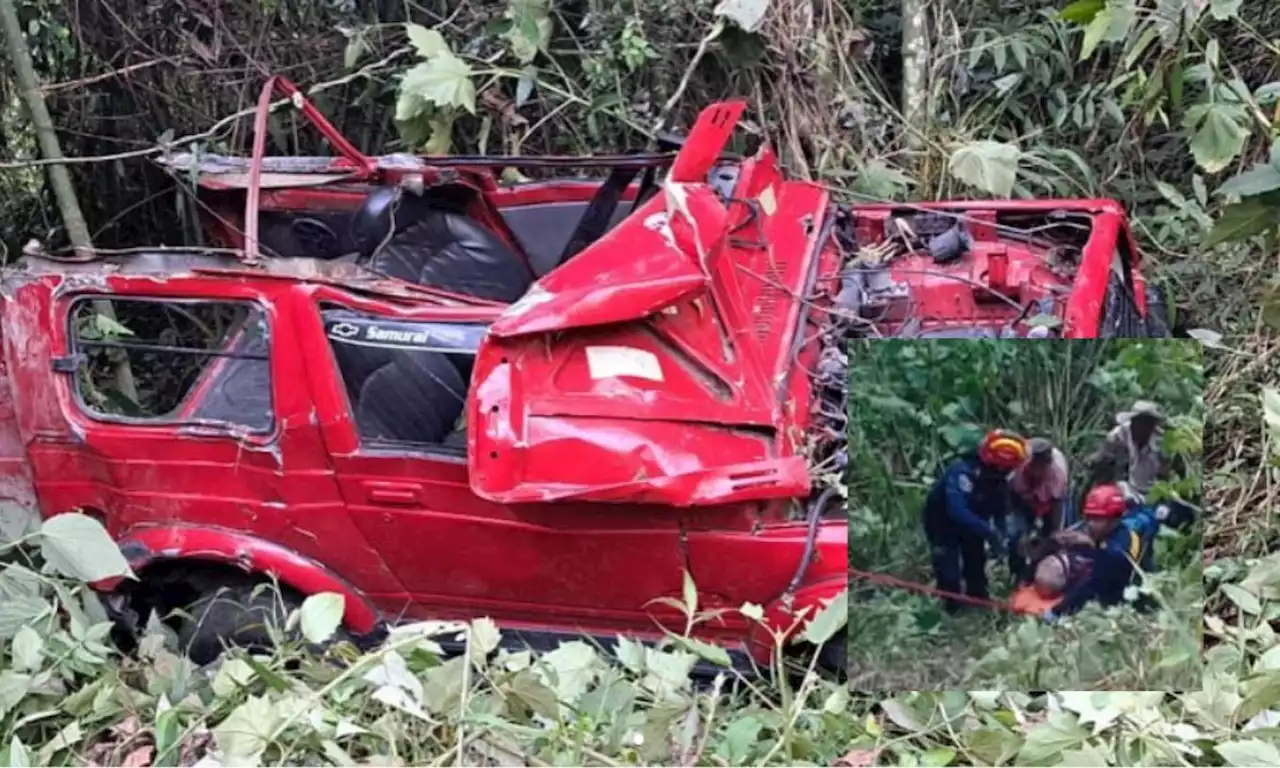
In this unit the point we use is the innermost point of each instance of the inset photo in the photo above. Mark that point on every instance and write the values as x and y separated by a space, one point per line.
1025 514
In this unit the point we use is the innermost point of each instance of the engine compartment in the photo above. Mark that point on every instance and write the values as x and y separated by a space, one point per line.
940 271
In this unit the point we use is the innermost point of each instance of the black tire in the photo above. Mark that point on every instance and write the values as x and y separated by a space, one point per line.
833 656
235 615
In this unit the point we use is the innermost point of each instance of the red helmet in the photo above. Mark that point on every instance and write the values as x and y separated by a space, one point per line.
1002 450
1105 501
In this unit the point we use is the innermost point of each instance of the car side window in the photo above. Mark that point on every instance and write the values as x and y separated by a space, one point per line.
172 361
406 380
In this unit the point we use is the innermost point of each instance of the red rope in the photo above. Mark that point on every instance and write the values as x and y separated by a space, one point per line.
911 586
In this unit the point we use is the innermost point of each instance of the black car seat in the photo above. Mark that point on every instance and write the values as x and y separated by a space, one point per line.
417 397
432 242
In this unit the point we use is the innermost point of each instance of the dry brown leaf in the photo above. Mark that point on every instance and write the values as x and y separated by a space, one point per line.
139 758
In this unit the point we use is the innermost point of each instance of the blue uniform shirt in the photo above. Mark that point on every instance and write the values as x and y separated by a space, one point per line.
1113 562
956 499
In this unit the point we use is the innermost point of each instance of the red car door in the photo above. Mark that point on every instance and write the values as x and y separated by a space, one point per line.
391 389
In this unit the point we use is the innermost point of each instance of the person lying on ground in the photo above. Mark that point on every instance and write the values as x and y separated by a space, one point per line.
1039 491
1135 444
1121 538
965 511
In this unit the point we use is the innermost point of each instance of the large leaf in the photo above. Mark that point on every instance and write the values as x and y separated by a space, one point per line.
443 80
991 166
1082 11
427 42
321 615
1249 752
745 14
530 30
1046 741
1218 137
78 546
1222 10
1098 29
1260 179
1241 221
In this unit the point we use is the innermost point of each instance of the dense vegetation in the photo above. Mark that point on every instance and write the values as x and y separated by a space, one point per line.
1167 105
915 406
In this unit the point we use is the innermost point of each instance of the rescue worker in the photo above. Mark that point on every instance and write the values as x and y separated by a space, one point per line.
1135 443
965 511
1039 492
1122 538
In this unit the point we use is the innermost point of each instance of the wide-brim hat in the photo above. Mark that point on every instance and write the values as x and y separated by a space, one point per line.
1142 408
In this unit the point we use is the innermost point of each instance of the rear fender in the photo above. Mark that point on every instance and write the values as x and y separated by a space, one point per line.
788 617
145 546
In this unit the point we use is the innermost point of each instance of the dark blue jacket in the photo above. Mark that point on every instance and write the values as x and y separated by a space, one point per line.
1113 562
962 503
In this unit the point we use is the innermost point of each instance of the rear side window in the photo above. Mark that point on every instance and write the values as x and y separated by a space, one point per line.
168 361
406 380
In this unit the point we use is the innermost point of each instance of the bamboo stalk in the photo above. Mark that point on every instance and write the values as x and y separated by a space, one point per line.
59 178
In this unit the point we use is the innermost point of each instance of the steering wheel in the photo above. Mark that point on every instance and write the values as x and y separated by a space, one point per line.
315 237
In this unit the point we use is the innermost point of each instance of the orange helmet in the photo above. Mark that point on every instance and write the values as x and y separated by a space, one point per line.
1105 501
1002 450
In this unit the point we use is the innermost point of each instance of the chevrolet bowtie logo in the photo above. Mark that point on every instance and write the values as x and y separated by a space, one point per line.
344 330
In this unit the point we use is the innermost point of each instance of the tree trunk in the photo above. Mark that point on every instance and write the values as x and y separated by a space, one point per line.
915 68
59 179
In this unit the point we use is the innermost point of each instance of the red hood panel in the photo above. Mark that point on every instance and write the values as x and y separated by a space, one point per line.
653 367
649 261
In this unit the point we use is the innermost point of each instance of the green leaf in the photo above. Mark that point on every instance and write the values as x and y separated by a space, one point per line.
1241 221
1249 752
444 80
110 327
739 738
1098 28
1260 179
745 14
1218 137
321 615
16 611
13 689
903 715
833 617
938 756
19 757
1271 418
77 546
571 667
357 46
427 42
712 653
1049 739
991 166
1082 11
1245 601
243 736
752 611
526 687
530 28
1223 10
27 647
630 653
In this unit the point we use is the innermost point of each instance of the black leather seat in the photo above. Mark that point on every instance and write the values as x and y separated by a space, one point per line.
417 397
433 243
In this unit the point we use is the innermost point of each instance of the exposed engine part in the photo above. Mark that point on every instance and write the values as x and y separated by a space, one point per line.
950 245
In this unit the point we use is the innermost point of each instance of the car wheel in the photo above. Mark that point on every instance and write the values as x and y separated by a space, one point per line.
833 656
237 615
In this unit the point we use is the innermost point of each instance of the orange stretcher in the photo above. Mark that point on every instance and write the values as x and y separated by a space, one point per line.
1026 599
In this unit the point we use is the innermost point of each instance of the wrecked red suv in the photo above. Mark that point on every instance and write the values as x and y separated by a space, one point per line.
443 397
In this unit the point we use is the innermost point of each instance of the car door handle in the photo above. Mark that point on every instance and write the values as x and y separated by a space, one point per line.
392 494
